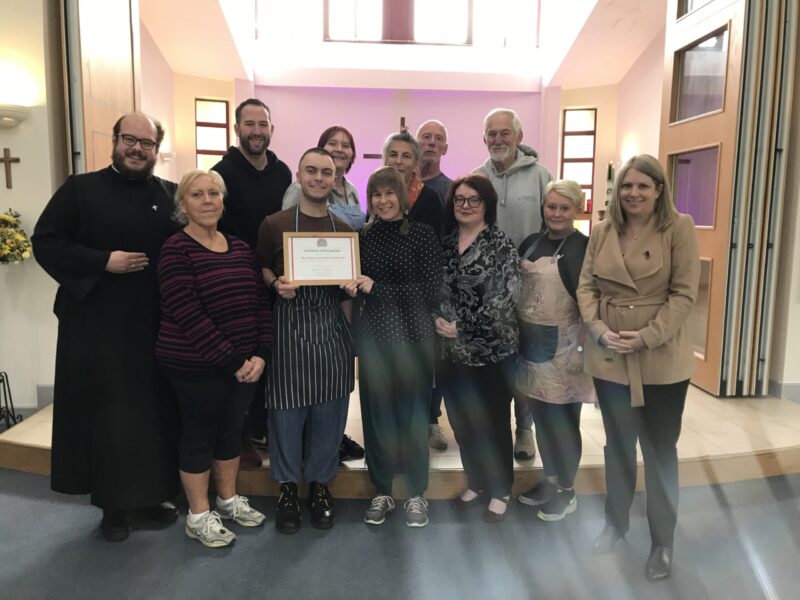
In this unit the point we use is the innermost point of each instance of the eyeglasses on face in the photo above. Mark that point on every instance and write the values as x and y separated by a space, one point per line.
130 140
471 201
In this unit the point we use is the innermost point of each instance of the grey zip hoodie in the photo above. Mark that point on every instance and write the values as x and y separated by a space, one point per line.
520 189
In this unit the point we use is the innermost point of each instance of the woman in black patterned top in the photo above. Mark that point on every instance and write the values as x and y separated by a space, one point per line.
479 328
401 277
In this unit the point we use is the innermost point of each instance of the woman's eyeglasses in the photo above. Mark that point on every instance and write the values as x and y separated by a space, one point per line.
471 201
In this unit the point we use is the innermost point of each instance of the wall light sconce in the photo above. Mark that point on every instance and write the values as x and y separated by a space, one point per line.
166 157
12 115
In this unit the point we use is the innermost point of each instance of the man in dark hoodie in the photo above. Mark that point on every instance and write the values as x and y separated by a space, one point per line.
256 180
255 177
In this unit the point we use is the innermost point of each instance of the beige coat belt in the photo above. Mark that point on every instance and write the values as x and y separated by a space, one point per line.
632 365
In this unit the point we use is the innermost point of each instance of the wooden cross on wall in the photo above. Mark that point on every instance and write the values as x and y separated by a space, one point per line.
7 160
402 128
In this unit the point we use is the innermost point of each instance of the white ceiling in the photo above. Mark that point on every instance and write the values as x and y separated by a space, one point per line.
616 33
195 38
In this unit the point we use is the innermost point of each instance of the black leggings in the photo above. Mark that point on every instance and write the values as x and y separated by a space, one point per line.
558 434
212 414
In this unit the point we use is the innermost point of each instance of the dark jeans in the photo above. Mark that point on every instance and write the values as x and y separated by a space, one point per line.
478 401
255 424
558 433
657 425
436 406
395 386
436 392
212 408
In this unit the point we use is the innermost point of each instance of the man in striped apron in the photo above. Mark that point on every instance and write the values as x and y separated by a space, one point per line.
310 372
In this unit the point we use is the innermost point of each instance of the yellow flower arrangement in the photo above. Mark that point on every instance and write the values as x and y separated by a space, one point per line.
14 243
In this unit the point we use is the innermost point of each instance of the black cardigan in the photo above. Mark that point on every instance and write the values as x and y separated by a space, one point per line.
428 209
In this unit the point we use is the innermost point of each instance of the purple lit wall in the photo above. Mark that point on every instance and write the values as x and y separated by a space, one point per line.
300 114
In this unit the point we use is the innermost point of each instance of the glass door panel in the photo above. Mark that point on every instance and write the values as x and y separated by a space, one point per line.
694 183
701 71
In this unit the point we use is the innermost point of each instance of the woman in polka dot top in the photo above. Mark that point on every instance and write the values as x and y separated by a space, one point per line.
401 277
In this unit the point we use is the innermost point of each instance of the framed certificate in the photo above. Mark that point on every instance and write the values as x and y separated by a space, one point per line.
320 258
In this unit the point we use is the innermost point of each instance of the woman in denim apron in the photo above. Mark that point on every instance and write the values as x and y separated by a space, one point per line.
550 368
343 201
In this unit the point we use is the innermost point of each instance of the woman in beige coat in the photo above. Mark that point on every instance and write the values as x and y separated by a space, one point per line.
638 285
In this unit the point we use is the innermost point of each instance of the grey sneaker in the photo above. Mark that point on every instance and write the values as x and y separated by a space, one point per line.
436 438
416 511
241 512
210 532
378 509
538 494
524 449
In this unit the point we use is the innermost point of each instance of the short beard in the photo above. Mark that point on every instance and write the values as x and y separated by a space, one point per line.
501 156
244 143
118 160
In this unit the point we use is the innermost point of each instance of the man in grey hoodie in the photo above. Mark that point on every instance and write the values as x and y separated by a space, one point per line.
519 180
516 174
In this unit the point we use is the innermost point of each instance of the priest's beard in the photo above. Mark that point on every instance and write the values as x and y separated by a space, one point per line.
138 173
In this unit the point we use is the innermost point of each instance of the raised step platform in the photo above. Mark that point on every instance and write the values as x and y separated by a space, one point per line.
723 440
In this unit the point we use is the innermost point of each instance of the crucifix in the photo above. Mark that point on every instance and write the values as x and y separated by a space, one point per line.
7 160
402 128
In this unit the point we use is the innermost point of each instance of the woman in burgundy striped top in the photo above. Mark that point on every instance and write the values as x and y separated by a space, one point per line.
215 333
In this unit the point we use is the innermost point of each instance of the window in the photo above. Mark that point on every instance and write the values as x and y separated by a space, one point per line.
694 184
578 142
212 133
354 20
445 22
687 6
700 77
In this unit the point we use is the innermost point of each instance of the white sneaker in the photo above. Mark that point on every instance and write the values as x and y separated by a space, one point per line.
416 511
436 439
241 512
378 509
210 532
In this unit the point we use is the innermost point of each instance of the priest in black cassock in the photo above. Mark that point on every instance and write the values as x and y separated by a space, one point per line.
114 417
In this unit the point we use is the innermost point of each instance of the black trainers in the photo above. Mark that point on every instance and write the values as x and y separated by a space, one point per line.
320 503
260 442
349 449
115 526
538 494
163 513
287 516
559 506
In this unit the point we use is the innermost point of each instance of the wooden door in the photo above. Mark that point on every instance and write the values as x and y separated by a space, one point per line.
699 123
104 74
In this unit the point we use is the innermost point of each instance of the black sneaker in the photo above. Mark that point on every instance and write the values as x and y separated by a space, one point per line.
562 503
349 449
287 516
163 513
260 442
115 526
320 503
538 494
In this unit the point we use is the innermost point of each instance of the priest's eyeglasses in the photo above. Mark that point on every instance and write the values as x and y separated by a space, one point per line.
471 201
130 140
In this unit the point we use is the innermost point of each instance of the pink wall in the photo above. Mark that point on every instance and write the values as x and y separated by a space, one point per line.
300 114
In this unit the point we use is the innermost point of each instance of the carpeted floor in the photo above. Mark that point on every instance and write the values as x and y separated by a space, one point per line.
738 541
